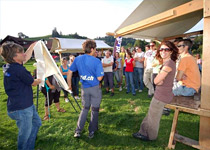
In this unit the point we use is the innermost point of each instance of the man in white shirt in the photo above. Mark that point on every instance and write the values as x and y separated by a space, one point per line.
139 69
107 63
149 56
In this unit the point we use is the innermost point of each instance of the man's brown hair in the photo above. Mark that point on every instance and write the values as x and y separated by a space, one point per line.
9 50
88 45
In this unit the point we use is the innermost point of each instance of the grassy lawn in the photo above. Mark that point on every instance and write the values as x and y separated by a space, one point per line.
119 117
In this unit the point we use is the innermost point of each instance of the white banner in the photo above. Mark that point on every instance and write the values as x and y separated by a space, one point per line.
46 65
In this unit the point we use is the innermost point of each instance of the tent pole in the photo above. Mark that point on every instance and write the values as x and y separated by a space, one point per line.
60 55
37 97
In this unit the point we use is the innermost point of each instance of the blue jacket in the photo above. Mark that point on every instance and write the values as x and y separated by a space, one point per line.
17 84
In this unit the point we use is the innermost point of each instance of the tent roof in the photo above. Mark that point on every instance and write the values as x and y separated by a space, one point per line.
147 20
65 45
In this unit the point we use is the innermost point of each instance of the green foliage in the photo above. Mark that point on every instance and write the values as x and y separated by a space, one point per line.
141 44
119 117
1 61
74 36
198 51
197 47
126 42
107 39
128 45
47 37
39 38
55 33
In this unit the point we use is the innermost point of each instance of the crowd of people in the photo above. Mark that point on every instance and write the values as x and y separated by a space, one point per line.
166 70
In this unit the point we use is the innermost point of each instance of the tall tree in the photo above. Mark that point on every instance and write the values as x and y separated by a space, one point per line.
55 33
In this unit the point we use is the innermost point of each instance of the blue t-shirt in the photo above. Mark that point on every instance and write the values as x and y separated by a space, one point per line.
89 69
65 70
17 84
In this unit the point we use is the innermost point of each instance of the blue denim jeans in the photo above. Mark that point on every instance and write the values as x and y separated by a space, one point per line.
75 83
129 81
180 90
28 123
200 67
118 75
138 77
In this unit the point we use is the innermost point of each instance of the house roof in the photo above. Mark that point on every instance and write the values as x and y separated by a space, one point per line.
23 42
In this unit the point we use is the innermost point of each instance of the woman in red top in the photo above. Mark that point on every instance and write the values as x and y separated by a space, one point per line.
130 63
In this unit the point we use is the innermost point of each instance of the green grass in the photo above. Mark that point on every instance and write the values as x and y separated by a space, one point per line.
119 117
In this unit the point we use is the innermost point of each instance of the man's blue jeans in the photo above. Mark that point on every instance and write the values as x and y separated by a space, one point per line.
138 77
28 123
180 90
129 81
75 82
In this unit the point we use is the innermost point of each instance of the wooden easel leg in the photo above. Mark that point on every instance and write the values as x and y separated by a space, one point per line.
171 143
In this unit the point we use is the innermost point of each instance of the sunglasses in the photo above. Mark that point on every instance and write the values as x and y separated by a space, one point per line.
180 45
165 49
152 45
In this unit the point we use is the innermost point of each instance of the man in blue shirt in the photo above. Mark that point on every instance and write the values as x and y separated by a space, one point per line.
91 73
17 84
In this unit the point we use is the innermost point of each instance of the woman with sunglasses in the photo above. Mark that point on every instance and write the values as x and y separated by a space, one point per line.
167 56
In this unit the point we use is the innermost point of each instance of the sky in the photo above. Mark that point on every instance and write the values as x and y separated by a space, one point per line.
90 18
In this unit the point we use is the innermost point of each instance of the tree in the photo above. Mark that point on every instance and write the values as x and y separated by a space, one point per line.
137 43
55 33
197 45
140 43
22 36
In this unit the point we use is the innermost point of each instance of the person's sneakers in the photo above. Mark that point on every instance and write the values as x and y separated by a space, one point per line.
134 94
140 91
77 97
91 135
140 136
112 94
77 134
66 100
120 89
150 96
107 92
110 90
166 111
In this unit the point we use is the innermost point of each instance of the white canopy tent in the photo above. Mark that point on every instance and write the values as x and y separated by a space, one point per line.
157 19
63 45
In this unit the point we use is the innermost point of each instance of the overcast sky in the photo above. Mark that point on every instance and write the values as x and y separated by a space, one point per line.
91 18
